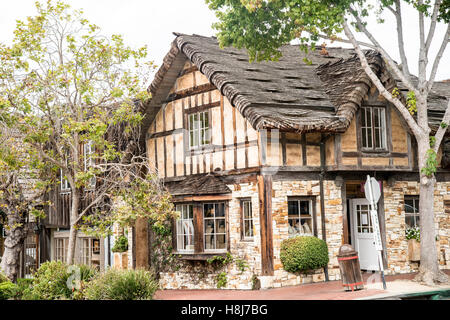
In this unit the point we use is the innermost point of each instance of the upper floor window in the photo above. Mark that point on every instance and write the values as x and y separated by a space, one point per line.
65 186
373 128
412 217
300 217
88 149
199 133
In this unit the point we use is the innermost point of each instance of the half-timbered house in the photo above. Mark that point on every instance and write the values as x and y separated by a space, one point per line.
255 153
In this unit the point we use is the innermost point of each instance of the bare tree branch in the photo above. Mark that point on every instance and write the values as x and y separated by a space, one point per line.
442 128
373 77
437 60
433 23
385 55
401 44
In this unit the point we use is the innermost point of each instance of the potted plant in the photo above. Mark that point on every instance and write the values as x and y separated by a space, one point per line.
120 250
413 237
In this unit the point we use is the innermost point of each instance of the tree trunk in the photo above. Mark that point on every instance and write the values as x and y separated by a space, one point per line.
13 246
429 265
73 230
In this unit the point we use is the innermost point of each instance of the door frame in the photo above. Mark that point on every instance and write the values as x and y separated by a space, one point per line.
381 221
353 226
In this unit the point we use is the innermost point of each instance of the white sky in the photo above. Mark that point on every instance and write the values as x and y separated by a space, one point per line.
151 23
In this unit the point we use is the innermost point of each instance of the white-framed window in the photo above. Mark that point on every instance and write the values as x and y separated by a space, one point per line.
61 249
215 235
199 133
65 186
373 128
247 220
185 228
300 217
412 216
86 249
88 149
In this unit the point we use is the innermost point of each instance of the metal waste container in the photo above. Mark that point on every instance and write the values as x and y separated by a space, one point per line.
350 270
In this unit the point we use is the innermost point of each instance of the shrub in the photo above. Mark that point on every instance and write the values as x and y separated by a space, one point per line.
50 281
7 290
122 285
120 245
303 253
3 278
22 289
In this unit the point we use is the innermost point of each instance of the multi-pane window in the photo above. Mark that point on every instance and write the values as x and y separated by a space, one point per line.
61 249
85 257
88 149
247 220
65 186
412 218
373 128
363 219
199 133
185 227
214 226
300 217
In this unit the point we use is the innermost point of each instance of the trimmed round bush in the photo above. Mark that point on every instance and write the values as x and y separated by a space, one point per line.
303 253
122 285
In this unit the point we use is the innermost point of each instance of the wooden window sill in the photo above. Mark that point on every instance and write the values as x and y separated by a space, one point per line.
199 256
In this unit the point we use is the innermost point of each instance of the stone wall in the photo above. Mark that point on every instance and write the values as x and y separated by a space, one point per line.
199 275
333 208
397 245
195 276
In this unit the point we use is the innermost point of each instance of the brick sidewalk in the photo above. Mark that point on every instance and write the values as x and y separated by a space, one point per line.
331 290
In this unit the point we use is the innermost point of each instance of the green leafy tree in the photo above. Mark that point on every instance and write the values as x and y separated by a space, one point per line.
22 184
75 95
262 26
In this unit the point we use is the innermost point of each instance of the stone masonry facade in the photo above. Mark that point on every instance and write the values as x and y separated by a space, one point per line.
249 251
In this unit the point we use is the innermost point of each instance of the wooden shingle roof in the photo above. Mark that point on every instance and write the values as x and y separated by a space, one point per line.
288 94
199 184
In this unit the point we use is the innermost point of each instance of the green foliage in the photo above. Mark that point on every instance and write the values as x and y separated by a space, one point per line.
430 164
241 264
50 281
7 290
22 289
413 233
121 244
263 26
411 102
256 283
303 253
63 85
220 261
3 278
221 280
122 285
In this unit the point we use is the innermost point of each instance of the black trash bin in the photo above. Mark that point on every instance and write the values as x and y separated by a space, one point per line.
349 266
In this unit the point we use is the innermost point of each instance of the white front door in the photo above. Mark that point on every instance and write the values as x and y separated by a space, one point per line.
363 235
